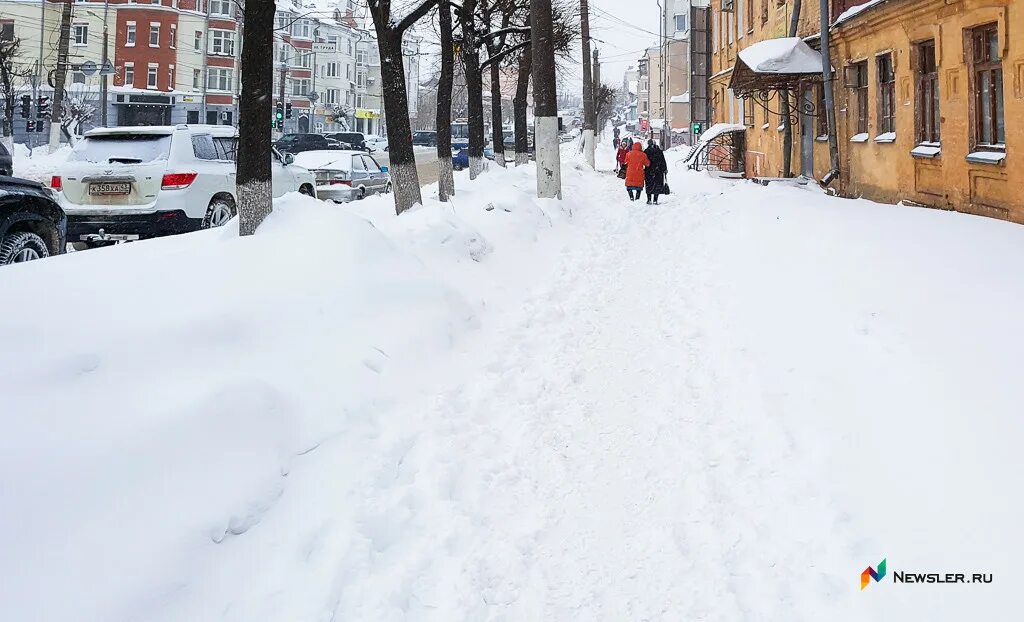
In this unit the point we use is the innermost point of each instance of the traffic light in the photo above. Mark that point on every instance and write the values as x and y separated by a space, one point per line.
40 125
43 109
30 126
288 111
26 106
279 115
696 129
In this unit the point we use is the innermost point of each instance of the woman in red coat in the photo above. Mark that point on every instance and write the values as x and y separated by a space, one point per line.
636 162
620 155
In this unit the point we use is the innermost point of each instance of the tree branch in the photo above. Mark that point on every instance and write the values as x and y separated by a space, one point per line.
416 15
497 57
524 30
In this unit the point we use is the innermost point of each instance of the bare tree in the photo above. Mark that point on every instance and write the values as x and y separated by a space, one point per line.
474 85
60 75
446 179
9 72
519 108
253 174
390 30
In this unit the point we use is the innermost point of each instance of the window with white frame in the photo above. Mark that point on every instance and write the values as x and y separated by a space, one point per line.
300 86
197 41
154 34
220 7
81 34
222 42
197 79
681 25
305 59
302 28
218 79
361 57
349 41
348 98
282 53
174 36
348 71
170 77
331 96
129 74
331 70
129 38
151 77
359 100
360 78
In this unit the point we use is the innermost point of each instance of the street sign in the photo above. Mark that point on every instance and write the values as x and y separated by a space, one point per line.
327 48
107 69
88 68
312 96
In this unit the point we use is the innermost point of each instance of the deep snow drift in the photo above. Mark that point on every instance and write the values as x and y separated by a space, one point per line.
724 407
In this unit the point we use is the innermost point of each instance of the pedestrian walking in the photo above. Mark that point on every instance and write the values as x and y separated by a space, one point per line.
636 162
654 174
620 158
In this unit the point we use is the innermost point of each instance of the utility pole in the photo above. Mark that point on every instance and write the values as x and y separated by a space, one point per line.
545 102
60 75
284 106
596 90
588 86
103 69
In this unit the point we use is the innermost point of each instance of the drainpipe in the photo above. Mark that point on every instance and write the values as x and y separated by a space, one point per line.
787 125
826 75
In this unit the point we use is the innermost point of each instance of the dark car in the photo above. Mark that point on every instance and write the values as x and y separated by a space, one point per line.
424 138
297 143
356 139
32 224
6 162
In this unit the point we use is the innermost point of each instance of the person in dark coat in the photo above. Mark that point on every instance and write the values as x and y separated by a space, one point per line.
654 175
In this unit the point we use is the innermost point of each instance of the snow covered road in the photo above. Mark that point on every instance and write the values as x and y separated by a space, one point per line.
724 407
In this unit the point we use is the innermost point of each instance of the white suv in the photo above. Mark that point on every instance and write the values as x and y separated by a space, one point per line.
130 183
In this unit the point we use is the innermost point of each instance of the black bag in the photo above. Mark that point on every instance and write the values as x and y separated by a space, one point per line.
664 189
622 173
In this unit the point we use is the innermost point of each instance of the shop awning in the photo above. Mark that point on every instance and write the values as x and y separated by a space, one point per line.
775 64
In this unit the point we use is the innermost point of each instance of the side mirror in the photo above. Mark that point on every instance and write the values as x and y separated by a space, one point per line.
289 159
383 169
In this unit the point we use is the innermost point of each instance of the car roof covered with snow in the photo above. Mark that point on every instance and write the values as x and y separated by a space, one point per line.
163 130
334 159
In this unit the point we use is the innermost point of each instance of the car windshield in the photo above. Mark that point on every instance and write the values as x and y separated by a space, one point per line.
122 148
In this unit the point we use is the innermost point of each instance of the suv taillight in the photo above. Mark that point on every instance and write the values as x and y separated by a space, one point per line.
177 181
55 182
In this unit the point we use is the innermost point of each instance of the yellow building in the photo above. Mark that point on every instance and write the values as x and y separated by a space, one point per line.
927 92
923 91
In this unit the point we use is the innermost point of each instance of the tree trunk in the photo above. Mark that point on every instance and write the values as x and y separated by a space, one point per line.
254 182
446 179
545 102
404 177
474 87
60 75
519 108
588 86
497 132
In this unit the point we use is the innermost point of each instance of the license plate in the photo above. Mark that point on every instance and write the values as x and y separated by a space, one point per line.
110 188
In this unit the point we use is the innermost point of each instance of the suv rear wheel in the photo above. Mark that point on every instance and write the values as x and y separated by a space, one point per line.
219 213
22 246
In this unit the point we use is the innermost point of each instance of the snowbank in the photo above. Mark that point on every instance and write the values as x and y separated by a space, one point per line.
160 398
38 164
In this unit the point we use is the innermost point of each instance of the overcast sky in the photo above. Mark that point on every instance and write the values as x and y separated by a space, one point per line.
622 29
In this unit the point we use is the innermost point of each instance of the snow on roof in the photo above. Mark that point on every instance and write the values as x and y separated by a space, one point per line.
853 11
713 132
788 55
683 98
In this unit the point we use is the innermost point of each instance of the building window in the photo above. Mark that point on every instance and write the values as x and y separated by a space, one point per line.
360 78
81 34
174 36
927 112
331 70
6 30
170 77
197 42
151 76
302 28
218 79
154 34
197 78
822 112
300 86
192 117
764 12
129 74
78 78
857 83
222 42
220 7
748 111
749 15
331 97
129 40
349 41
361 57
987 86
282 53
886 94
305 60
348 71
681 23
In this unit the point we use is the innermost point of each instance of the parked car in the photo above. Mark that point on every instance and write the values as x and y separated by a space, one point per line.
297 143
6 161
355 140
376 143
32 224
460 159
424 138
131 183
343 176
287 176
